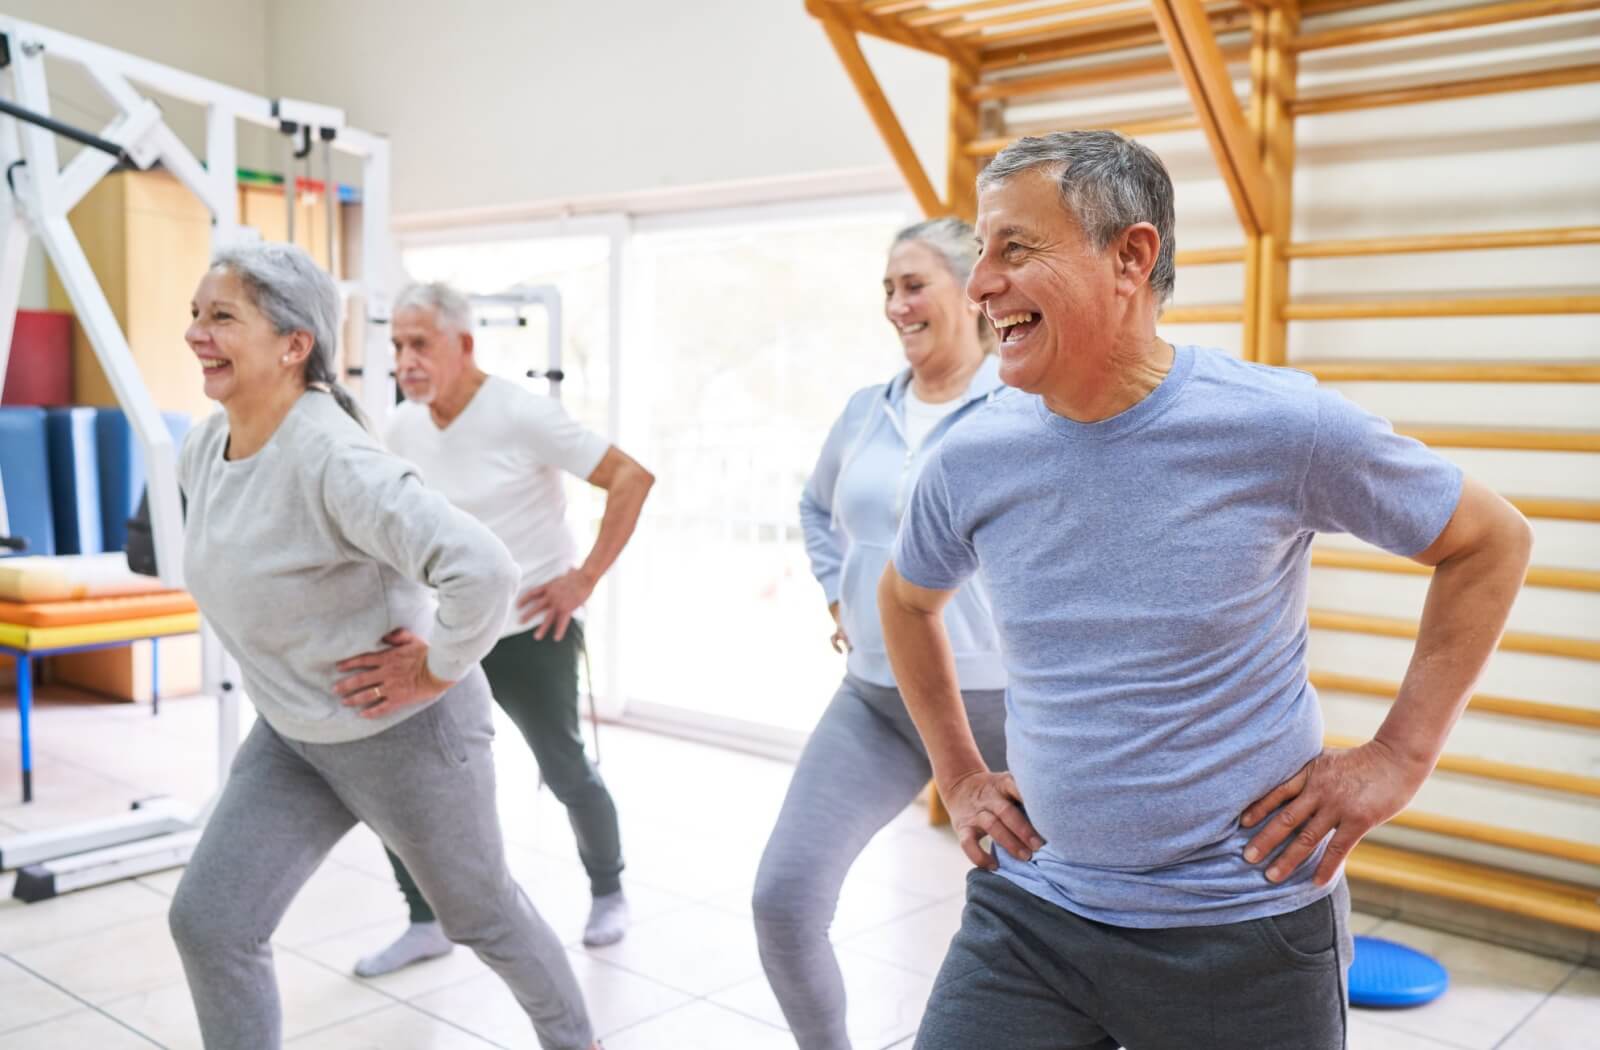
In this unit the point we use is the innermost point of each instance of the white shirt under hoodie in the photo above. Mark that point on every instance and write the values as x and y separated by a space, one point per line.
311 550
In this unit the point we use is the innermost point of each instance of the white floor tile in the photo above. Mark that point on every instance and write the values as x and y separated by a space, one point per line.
926 861
312 998
340 952
1368 1034
27 1000
392 1028
1568 1020
917 941
1476 1013
335 900
98 967
885 1002
703 1026
72 914
615 998
84 1030
697 950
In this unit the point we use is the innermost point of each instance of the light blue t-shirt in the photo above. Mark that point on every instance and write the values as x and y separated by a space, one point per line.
1148 577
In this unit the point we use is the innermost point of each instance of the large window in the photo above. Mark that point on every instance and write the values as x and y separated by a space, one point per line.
748 340
741 338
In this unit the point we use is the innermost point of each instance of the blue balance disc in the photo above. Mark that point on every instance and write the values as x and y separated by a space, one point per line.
1386 974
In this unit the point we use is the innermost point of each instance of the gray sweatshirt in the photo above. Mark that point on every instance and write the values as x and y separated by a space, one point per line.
314 548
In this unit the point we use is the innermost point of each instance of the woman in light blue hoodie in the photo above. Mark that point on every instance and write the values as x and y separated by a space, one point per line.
864 762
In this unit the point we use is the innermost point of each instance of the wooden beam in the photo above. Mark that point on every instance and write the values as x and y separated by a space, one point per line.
1438 22
1209 256
1508 306
1277 162
1495 835
1533 897
1199 61
1250 338
1533 439
1130 128
1208 313
1468 88
1446 242
891 29
1511 641
977 27
1100 73
894 136
1530 710
1504 772
1557 509
1111 31
931 17
1453 371
1371 561
961 173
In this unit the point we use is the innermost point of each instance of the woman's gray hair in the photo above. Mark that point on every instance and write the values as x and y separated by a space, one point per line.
957 246
1108 183
295 295
452 310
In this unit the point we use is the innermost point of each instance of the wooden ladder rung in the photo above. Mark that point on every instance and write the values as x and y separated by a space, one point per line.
1452 371
1564 903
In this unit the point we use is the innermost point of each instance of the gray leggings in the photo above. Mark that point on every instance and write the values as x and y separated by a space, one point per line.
426 786
863 765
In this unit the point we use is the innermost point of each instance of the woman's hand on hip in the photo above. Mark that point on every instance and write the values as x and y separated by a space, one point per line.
383 681
840 641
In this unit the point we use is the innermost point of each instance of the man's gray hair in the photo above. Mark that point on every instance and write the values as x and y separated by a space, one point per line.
1108 183
452 310
295 295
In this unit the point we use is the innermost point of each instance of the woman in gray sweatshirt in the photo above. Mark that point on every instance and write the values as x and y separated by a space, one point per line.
357 604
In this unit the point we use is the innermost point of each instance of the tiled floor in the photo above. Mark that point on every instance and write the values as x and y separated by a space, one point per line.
96 970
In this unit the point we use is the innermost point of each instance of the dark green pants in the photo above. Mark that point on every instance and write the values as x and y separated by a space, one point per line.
536 683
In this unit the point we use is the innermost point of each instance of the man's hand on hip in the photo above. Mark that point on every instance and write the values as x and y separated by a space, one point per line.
984 803
1347 793
556 601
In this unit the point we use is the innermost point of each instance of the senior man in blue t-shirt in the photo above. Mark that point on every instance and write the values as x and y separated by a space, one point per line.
1169 841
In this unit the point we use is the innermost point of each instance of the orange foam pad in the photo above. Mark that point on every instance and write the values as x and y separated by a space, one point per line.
96 610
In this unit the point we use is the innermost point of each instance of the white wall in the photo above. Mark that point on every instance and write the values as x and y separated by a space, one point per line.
500 102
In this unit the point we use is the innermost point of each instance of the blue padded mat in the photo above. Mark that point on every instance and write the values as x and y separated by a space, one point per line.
25 473
1386 974
122 470
74 480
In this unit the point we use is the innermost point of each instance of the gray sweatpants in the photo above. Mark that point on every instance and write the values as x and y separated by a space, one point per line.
863 765
426 786
1025 974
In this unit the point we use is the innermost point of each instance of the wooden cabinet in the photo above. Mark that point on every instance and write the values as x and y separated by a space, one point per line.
148 240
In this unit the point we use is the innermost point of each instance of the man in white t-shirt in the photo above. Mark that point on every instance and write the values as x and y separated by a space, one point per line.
499 452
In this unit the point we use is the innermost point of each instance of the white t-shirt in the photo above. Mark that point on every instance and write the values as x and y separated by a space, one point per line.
922 417
501 460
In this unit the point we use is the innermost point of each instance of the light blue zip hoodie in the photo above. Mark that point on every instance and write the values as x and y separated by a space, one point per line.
851 510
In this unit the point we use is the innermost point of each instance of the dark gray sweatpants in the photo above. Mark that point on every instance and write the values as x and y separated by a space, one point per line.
426 786
1025 974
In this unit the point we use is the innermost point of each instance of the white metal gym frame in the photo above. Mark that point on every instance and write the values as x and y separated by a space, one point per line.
38 195
506 310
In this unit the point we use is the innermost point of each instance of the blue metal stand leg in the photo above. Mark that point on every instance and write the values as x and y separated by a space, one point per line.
155 677
25 710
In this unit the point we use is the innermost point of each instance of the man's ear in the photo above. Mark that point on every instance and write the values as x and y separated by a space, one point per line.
1138 247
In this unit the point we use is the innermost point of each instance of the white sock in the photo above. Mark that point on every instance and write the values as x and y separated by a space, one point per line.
422 940
608 920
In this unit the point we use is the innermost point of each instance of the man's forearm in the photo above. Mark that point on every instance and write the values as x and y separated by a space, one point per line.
624 501
1468 603
925 670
